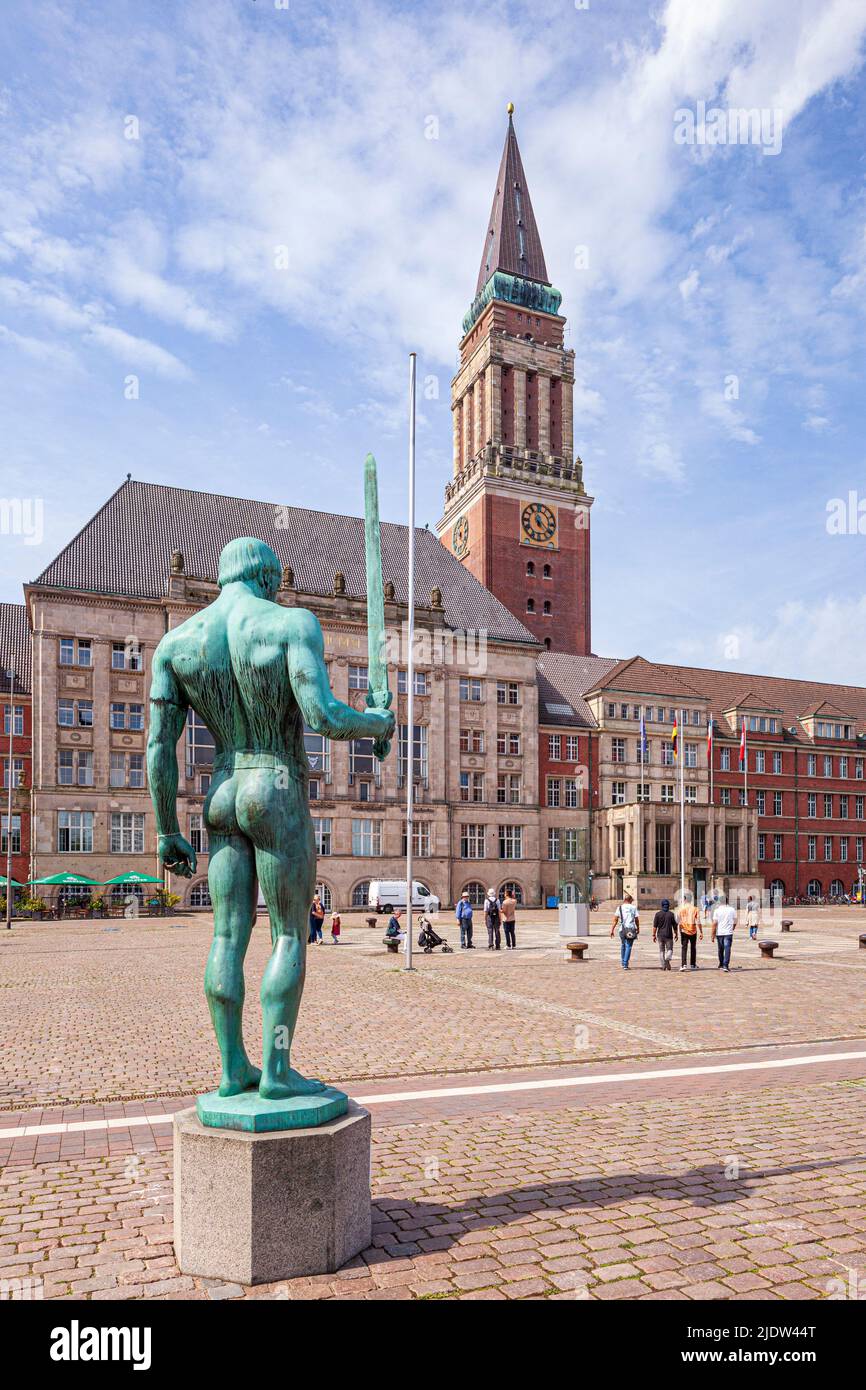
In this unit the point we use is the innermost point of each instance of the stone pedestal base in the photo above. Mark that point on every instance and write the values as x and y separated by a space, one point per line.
251 1208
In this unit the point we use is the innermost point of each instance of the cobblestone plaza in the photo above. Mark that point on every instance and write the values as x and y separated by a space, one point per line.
567 1131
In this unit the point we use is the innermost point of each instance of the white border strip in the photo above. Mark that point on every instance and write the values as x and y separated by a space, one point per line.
494 1088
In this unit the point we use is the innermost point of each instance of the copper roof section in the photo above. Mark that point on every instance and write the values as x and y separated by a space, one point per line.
512 242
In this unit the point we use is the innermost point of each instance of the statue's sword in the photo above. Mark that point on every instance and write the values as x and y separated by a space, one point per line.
378 694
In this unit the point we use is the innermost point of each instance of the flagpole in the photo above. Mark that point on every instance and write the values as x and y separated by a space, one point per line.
711 759
410 673
681 754
746 791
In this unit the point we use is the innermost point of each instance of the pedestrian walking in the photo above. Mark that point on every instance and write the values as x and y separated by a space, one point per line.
689 925
753 917
627 920
317 917
509 914
493 920
665 933
724 925
464 918
336 924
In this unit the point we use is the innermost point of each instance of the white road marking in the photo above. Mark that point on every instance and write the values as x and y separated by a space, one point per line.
493 1088
610 1078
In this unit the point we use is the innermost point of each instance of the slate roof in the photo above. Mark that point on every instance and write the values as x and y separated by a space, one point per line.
14 648
512 242
563 681
126 548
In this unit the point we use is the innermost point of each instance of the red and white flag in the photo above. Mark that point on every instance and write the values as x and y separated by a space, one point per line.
709 739
743 745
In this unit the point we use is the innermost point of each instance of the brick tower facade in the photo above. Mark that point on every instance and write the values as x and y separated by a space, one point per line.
516 512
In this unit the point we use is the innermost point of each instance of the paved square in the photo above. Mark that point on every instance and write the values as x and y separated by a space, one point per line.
542 1128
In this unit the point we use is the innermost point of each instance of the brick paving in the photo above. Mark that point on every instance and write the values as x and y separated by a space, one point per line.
738 1186
79 984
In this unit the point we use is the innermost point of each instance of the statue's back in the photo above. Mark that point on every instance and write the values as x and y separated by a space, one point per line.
231 661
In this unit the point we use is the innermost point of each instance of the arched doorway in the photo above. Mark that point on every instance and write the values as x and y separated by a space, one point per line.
477 893
361 893
515 889
199 895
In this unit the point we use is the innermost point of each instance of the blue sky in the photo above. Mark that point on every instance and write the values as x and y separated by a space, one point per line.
280 231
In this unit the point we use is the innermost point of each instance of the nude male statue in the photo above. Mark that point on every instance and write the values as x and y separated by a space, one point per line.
254 672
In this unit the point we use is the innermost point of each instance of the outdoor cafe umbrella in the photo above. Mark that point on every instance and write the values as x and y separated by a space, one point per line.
4 880
68 878
132 877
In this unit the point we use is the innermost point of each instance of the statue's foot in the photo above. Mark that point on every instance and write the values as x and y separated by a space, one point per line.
293 1085
245 1078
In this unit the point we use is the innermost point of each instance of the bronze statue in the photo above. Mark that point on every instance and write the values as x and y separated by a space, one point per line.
254 671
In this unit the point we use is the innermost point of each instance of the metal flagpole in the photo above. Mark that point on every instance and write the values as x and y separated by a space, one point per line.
746 791
410 674
11 675
712 816
681 754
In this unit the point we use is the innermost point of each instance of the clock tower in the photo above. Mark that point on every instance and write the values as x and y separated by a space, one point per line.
516 512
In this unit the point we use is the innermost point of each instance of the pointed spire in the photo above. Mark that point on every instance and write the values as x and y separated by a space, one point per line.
512 243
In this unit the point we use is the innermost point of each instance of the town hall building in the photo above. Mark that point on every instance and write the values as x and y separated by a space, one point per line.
526 751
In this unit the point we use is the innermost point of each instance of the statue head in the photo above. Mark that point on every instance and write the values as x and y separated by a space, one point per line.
250 562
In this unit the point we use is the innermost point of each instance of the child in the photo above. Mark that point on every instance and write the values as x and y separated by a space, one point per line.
335 928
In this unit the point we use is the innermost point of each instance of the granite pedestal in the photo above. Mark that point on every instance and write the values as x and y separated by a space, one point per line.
255 1207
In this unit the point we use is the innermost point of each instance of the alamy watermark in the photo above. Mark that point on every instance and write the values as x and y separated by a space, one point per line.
22 516
732 125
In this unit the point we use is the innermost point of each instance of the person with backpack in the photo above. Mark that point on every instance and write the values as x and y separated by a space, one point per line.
464 918
665 933
629 927
493 920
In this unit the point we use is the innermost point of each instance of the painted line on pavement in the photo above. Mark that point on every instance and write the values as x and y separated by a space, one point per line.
610 1078
492 1088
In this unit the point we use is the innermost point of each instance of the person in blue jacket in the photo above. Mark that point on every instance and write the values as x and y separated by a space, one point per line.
464 917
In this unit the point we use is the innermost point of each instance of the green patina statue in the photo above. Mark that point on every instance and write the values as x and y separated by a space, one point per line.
254 671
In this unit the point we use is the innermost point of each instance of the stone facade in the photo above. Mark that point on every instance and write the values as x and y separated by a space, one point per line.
84 646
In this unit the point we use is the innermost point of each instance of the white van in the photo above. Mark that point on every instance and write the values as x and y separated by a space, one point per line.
386 894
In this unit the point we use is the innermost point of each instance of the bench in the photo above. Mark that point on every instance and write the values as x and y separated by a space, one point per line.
372 921
393 943
767 948
787 923
863 941
576 949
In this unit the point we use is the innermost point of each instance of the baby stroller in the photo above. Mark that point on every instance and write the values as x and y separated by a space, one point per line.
428 939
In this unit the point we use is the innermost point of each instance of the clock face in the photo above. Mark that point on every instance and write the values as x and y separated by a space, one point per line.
460 535
538 524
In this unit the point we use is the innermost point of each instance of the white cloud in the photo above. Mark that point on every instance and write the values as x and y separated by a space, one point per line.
88 321
49 354
819 640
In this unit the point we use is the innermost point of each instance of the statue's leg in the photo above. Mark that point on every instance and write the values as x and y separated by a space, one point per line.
232 885
278 822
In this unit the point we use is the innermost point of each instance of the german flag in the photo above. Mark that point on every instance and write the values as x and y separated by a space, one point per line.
675 733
